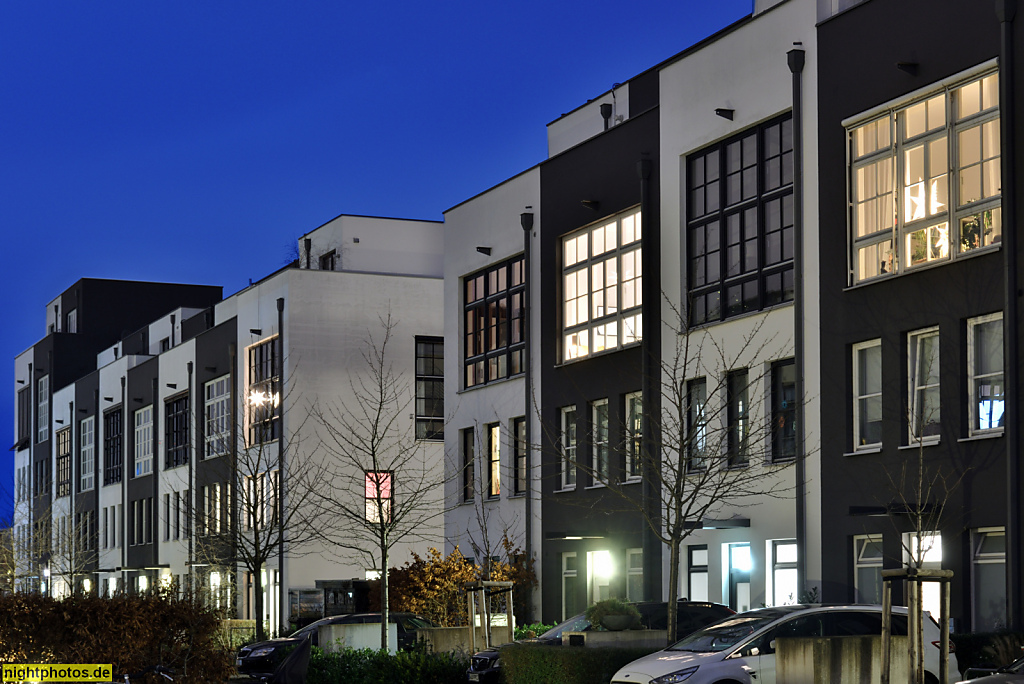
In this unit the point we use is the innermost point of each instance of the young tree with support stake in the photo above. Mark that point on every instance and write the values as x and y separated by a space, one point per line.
383 486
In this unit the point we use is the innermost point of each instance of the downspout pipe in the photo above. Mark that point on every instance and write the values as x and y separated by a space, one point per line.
282 589
526 221
1006 10
796 58
192 530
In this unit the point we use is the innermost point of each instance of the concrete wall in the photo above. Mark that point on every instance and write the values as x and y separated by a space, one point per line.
444 639
838 659
333 638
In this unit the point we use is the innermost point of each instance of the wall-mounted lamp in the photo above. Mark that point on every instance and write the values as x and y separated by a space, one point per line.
58 421
172 385
484 250
108 398
21 382
724 112
211 369
908 67
526 220
137 400
606 113
593 205
81 410
256 331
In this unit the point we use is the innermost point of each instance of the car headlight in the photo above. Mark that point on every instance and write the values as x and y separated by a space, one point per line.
260 652
496 663
675 677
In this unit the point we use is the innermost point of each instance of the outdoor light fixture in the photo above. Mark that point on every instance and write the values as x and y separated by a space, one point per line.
172 385
256 331
725 113
108 398
21 382
484 250
58 421
907 67
591 204
87 585
603 566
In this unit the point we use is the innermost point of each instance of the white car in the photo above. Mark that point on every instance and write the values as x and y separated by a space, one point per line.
741 649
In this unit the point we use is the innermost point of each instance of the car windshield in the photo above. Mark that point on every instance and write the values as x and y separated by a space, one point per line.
577 623
1016 667
727 633
311 627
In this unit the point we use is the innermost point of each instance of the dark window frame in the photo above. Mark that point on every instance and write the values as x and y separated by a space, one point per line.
176 431
784 403
468 464
494 310
63 462
738 417
264 424
519 440
430 388
113 446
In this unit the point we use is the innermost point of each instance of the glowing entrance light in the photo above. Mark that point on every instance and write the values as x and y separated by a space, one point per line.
740 558
603 566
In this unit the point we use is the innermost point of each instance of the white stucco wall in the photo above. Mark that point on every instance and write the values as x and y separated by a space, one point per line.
586 121
377 245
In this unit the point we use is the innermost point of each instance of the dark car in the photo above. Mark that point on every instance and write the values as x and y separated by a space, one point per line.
260 659
485 666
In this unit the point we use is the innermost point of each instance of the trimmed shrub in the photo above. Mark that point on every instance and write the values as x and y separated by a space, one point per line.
530 631
366 666
531 663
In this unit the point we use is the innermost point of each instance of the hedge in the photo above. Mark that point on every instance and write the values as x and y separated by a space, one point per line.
366 666
129 632
531 663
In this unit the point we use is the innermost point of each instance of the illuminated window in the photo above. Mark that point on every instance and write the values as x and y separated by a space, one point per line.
568 447
924 419
697 575
985 366
217 418
493 461
599 461
602 294
494 306
144 441
379 495
925 180
87 454
784 578
739 223
264 395
867 394
634 435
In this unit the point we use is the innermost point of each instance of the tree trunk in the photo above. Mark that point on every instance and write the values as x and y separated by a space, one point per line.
257 607
384 612
673 590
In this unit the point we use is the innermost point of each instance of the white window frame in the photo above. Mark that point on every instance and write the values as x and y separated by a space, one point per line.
217 417
634 436
569 446
782 566
916 389
494 461
600 449
566 574
974 376
143 425
861 395
697 573
861 544
879 140
87 442
633 572
978 557
43 409
599 311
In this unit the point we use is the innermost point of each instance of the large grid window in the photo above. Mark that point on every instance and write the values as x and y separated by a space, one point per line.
867 394
113 457
64 462
217 417
634 435
264 394
602 296
144 441
495 306
176 432
600 463
925 182
568 447
43 409
923 419
87 454
430 388
739 223
985 367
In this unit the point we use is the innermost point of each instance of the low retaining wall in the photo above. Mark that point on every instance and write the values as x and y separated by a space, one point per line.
444 639
851 660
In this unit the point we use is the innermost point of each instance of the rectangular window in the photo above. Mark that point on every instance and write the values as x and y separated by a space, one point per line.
568 447
87 454
602 293
379 500
923 418
177 515
989 581
328 260
985 368
112 440
599 463
925 553
493 461
72 321
168 513
264 395
697 574
43 409
147 519
215 506
519 474
64 462
634 435
187 513
176 432
494 310
430 388
739 223
135 529
570 588
468 464
783 410
144 441
739 419
925 180
696 424
784 560
867 394
217 417
204 512
867 568
634 575
24 417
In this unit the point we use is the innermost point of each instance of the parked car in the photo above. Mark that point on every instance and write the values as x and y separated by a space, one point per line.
260 659
485 666
1011 674
742 648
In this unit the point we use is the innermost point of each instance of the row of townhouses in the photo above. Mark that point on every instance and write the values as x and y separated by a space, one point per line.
744 330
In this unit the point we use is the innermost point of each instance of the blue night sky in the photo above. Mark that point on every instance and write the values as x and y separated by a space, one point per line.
194 142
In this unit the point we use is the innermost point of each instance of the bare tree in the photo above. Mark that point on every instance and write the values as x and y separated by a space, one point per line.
383 486
712 441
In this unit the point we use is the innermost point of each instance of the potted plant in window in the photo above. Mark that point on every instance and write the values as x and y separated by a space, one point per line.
613 614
